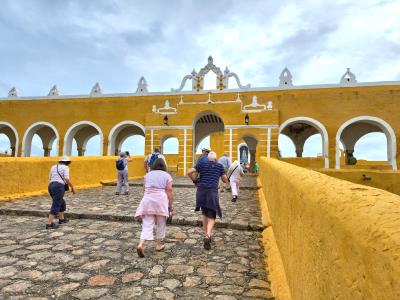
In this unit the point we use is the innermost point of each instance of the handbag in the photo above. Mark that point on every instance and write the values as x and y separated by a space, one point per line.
66 186
229 178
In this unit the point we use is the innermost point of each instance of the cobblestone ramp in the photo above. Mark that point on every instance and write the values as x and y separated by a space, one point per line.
96 259
103 204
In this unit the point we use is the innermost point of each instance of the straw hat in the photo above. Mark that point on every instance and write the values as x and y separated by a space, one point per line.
65 159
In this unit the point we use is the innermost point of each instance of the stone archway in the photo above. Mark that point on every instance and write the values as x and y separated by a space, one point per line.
82 132
352 130
120 132
47 133
299 129
206 123
9 130
251 142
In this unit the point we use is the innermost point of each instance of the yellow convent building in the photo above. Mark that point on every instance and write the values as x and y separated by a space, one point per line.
244 121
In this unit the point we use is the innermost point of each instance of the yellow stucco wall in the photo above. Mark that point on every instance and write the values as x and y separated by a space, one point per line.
382 179
21 177
330 106
337 240
305 162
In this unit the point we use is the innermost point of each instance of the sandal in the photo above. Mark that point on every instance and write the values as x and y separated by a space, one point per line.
161 248
140 251
207 243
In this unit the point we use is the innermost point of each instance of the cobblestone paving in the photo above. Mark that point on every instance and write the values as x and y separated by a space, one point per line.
95 258
90 259
104 204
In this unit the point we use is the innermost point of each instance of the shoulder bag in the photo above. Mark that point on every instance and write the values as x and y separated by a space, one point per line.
66 186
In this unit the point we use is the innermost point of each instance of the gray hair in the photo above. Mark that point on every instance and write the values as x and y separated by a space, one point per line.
212 156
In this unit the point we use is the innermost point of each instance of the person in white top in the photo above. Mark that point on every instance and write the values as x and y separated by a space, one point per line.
235 173
151 158
122 172
59 183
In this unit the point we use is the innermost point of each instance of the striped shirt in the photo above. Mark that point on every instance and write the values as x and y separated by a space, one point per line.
210 172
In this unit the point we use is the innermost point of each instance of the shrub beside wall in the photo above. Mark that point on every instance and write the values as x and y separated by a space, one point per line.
21 177
337 240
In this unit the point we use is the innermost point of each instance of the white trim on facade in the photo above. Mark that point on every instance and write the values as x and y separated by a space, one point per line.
321 129
269 142
69 136
184 148
15 133
28 135
114 132
191 92
230 143
386 129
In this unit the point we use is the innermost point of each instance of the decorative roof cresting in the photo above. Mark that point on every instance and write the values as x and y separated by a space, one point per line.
285 79
13 93
53 92
96 90
142 86
348 78
222 80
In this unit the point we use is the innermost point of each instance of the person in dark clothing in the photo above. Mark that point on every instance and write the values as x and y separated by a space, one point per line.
207 198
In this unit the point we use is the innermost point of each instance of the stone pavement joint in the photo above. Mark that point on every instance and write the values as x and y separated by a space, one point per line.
96 259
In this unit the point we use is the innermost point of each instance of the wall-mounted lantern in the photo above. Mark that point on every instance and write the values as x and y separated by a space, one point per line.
166 120
246 119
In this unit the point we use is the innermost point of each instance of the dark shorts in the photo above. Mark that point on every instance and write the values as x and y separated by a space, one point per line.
56 191
209 213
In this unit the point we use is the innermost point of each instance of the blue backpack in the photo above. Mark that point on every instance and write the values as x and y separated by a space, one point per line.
120 164
153 158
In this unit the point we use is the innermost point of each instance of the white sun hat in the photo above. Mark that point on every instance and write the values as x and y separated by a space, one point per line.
65 159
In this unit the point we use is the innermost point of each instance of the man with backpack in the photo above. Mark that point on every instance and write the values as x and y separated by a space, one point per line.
122 172
151 158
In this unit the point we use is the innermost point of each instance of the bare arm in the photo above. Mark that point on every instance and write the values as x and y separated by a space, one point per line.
170 195
191 173
129 159
224 178
145 165
70 185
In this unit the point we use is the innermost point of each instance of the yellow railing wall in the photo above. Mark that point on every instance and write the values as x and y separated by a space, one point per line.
21 177
337 240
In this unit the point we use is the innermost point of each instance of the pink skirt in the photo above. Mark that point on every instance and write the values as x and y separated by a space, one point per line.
154 202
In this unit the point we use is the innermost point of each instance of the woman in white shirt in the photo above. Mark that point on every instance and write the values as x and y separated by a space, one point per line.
235 173
59 182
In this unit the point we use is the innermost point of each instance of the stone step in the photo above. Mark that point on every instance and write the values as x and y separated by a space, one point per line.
178 220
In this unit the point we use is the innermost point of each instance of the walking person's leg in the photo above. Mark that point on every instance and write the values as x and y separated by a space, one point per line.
56 192
234 190
120 179
147 234
125 179
161 222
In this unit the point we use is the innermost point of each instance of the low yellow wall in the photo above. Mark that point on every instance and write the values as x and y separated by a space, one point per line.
305 162
21 177
337 240
381 179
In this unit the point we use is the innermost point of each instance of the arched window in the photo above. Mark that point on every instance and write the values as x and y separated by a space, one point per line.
205 143
170 146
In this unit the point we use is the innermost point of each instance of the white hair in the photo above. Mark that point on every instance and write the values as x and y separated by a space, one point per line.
212 156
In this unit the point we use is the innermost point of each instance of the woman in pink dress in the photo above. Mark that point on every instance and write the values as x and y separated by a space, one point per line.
155 206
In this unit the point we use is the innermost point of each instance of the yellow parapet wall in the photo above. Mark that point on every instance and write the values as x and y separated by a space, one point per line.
20 177
382 179
337 240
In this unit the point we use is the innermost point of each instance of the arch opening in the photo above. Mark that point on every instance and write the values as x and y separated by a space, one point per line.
42 137
247 150
126 136
8 140
360 129
170 145
307 135
208 123
79 136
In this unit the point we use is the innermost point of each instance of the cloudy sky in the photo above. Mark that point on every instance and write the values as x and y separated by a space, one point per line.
75 43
